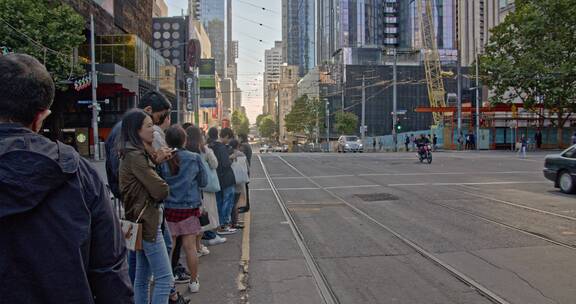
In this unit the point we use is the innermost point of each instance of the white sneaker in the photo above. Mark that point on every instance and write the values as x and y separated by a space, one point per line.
227 230
202 251
194 287
216 241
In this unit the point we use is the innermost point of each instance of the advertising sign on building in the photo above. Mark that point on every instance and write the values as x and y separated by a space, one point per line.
189 94
207 83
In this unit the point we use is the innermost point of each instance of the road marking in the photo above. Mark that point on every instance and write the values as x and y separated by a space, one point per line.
297 189
332 176
517 205
448 173
401 174
351 187
465 184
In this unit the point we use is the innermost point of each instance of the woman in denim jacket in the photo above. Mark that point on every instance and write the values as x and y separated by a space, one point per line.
185 176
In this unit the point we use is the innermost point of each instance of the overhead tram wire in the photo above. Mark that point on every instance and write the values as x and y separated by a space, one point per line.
252 37
258 6
256 22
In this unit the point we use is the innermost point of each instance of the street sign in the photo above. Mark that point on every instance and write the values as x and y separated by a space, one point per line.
399 112
89 102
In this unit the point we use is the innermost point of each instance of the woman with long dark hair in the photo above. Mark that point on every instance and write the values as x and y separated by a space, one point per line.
196 144
143 190
185 175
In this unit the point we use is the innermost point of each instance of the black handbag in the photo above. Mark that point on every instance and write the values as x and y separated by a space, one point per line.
204 219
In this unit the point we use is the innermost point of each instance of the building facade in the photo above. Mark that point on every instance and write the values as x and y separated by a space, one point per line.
299 34
272 64
287 94
160 9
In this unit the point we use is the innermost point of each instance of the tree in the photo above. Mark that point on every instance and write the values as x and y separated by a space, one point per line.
306 115
240 122
267 127
47 30
346 122
531 57
259 119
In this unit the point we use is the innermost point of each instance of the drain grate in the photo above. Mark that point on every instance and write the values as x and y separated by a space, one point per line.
375 197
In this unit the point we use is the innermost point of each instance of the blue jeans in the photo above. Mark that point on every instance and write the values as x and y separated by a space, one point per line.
225 202
153 260
209 235
132 265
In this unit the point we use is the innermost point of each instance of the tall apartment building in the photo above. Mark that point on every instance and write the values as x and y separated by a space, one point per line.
476 19
214 17
361 24
299 34
272 64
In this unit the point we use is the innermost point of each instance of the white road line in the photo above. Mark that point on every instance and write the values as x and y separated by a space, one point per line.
333 176
297 189
472 183
351 187
448 173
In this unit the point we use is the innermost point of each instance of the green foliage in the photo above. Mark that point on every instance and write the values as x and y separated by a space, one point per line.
267 127
306 115
346 123
531 57
51 24
259 119
240 122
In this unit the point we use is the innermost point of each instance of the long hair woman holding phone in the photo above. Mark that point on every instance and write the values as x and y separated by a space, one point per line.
143 190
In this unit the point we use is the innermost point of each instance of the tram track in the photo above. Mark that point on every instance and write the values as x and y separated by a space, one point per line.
323 285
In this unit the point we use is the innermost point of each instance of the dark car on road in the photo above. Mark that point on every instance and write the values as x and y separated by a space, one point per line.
561 169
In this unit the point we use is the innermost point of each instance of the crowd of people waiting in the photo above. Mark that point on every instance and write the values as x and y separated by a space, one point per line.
168 177
62 237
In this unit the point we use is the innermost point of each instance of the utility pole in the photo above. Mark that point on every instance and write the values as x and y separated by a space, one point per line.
327 126
178 94
459 80
477 104
343 83
395 101
94 77
363 127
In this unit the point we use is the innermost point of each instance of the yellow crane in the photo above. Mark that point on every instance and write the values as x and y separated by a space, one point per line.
433 68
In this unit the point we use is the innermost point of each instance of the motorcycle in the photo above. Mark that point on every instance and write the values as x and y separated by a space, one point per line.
425 153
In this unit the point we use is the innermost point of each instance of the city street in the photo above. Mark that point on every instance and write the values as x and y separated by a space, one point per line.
472 227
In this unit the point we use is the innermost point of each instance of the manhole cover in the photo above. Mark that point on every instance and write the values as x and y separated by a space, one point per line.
375 197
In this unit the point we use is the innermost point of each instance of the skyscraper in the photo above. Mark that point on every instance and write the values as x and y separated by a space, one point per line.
272 64
299 34
361 24
213 15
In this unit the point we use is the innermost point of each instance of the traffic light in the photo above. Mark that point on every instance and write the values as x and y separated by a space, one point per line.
399 127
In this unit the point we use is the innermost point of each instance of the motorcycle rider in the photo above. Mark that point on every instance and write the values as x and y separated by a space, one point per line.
422 142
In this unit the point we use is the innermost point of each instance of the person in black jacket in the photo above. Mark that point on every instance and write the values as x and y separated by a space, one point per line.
60 237
224 198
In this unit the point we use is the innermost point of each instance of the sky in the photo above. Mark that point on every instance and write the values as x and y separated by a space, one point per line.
247 15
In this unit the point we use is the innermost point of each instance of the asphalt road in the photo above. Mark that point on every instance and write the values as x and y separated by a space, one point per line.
384 228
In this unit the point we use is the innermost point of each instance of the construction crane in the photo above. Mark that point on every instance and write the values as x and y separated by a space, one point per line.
432 64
